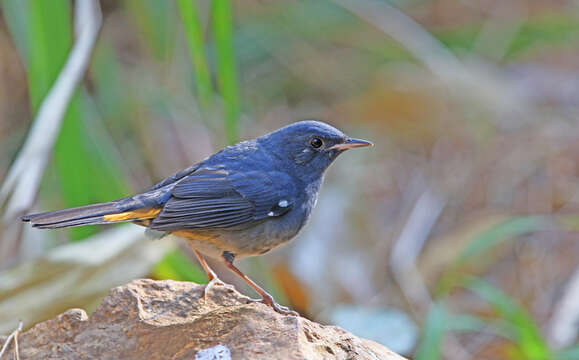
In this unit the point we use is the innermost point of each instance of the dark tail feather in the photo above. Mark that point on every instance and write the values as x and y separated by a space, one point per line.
104 213
83 215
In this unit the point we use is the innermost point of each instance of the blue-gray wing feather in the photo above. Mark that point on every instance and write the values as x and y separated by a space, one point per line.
216 198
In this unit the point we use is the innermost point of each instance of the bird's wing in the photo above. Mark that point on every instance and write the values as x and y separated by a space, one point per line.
217 198
176 177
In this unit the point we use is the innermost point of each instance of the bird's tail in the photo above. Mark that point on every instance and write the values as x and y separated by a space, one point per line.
103 213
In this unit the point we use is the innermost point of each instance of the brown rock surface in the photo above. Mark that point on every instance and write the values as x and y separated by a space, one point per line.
148 319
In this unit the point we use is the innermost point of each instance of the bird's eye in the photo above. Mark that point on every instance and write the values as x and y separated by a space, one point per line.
316 143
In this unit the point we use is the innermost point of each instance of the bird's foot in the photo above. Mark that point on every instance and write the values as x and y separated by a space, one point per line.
216 282
284 310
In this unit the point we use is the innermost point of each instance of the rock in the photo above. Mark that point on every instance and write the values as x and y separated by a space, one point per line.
148 319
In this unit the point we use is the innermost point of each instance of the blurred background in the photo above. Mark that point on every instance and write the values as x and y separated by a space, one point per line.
455 237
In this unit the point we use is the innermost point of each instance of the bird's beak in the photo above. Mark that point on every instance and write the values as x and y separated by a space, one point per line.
350 144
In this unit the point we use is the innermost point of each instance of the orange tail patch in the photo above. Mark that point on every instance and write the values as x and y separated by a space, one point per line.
139 214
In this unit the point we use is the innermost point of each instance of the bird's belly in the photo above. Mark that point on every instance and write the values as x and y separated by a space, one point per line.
256 240
263 238
204 243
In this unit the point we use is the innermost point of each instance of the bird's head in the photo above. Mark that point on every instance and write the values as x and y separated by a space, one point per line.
310 145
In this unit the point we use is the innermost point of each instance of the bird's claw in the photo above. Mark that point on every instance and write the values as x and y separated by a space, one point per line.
215 282
284 310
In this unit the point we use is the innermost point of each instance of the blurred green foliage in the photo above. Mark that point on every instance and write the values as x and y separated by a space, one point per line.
154 19
526 336
515 324
189 12
433 331
222 19
49 38
552 30
482 243
177 266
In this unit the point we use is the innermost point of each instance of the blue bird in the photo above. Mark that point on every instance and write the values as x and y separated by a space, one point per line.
241 201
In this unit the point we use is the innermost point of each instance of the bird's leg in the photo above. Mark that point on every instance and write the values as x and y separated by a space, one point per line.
210 273
265 297
211 276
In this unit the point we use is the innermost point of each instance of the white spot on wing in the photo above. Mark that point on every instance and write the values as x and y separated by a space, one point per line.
270 213
283 203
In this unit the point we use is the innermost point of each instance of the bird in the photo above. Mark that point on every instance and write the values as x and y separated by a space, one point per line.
244 200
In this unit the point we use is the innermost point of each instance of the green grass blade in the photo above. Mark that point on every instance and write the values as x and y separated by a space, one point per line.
464 323
432 334
493 236
497 234
473 323
49 31
222 19
194 34
529 341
